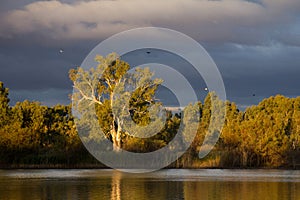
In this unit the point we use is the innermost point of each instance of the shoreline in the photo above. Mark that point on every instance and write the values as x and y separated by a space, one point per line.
90 166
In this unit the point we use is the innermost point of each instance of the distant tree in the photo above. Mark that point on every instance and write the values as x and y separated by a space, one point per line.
230 141
294 139
4 106
28 121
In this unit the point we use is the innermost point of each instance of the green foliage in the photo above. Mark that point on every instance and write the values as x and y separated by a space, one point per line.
265 135
4 106
36 134
122 100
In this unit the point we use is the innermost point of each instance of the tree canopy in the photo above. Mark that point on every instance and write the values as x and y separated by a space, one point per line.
122 100
264 135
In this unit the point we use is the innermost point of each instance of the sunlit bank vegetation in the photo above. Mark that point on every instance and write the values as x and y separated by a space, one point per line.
266 135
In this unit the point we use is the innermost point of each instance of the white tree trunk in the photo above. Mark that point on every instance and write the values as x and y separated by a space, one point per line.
115 140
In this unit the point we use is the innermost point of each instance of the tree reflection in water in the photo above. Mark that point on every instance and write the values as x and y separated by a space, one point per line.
116 185
162 185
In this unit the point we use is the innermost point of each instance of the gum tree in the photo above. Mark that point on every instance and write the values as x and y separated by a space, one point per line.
115 94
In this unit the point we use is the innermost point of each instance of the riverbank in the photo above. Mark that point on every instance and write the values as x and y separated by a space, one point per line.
101 166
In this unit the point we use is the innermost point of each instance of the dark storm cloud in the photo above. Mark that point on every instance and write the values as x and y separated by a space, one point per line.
263 71
48 96
35 72
255 43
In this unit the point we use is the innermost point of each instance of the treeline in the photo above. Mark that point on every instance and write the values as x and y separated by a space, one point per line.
266 135
35 135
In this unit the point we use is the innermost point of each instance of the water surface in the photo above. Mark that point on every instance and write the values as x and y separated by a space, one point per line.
168 184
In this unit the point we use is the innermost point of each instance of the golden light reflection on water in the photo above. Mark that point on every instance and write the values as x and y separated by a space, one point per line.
114 185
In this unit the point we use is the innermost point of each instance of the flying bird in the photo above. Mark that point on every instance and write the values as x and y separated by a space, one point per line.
61 51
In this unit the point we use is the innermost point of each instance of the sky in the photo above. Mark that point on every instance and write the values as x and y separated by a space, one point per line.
255 43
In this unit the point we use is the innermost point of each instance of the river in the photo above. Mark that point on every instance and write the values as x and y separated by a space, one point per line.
169 184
